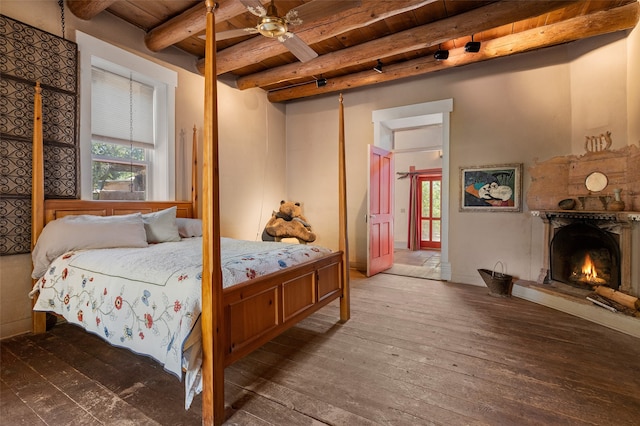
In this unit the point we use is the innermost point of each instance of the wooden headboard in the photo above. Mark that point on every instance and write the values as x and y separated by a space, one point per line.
44 211
55 209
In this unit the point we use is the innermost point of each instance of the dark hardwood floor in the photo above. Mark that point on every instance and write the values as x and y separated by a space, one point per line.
415 352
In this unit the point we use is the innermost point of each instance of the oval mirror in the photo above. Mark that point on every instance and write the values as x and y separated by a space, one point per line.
596 182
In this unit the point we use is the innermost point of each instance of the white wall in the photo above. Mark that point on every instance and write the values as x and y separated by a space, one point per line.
510 110
599 90
633 86
252 161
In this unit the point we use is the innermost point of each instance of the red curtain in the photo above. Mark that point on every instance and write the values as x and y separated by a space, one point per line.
414 213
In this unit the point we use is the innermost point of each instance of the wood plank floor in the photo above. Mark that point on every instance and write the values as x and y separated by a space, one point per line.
415 352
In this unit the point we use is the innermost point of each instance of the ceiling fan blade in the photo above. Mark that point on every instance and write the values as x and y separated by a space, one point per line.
255 7
298 47
240 32
318 9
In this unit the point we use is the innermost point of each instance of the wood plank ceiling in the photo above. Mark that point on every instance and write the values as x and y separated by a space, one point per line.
351 37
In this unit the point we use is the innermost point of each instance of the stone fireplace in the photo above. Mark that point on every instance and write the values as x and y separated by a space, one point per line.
611 241
590 206
585 249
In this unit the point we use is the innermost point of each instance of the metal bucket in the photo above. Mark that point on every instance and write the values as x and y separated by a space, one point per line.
499 283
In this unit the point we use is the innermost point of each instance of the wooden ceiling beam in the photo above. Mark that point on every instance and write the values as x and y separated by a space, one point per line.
463 25
604 22
190 23
87 9
261 48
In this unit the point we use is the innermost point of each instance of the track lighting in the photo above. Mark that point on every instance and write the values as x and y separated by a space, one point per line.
441 54
321 82
472 46
378 68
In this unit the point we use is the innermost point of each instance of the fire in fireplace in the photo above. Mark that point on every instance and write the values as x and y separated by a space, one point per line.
585 255
587 273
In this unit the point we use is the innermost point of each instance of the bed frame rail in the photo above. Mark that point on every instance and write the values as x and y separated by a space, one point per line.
261 309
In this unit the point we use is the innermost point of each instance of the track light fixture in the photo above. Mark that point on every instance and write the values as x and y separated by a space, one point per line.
441 54
321 82
378 68
472 46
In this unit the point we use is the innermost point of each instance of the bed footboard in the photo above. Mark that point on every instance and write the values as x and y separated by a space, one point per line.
259 310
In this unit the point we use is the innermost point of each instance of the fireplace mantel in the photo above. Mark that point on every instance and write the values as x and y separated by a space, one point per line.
620 216
625 221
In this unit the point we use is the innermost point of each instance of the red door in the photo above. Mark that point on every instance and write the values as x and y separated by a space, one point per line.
429 204
380 214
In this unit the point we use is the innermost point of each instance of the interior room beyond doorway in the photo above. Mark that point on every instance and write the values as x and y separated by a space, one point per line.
417 153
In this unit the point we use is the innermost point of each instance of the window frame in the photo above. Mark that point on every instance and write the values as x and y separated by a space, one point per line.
95 52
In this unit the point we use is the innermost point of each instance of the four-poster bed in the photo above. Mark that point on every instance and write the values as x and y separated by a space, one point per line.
238 319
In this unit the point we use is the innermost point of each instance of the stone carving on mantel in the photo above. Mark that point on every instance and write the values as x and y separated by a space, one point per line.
602 142
568 177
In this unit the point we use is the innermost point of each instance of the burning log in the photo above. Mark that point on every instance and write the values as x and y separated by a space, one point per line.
622 298
587 274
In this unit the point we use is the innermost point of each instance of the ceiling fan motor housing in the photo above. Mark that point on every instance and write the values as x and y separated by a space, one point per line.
272 26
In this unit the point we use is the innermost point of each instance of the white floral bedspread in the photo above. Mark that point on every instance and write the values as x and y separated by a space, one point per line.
148 299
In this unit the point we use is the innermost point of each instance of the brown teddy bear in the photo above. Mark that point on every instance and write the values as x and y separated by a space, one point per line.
288 222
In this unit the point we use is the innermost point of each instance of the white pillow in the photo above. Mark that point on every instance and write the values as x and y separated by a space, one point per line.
161 226
86 232
188 228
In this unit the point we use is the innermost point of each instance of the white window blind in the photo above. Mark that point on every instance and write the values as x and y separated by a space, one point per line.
119 105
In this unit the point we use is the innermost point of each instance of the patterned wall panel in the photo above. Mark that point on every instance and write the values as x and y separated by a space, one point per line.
15 167
34 55
15 225
27 55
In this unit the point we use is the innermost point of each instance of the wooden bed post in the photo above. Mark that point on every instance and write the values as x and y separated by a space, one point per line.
343 245
212 308
39 319
194 173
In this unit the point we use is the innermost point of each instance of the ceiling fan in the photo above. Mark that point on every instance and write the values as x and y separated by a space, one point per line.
272 25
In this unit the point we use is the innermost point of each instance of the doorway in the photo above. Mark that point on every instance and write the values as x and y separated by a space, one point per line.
389 123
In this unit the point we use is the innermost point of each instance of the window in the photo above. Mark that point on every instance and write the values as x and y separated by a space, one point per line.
121 135
127 124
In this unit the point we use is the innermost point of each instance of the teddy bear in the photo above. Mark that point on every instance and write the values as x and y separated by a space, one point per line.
288 222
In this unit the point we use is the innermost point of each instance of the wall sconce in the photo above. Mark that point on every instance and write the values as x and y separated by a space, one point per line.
378 68
441 54
472 46
321 82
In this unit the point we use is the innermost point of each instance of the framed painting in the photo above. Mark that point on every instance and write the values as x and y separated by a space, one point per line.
495 188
